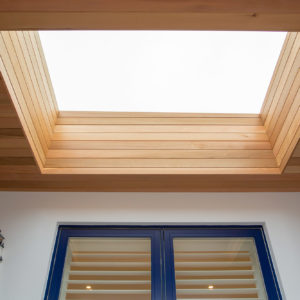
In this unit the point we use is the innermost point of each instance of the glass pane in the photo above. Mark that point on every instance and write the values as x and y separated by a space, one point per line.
218 268
107 268
161 71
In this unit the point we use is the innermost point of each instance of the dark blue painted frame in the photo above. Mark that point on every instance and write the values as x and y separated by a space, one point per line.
162 254
256 232
66 232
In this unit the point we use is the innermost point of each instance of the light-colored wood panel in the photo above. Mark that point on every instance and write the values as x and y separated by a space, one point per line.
160 154
23 114
17 69
286 114
46 72
284 85
287 125
44 79
160 121
179 145
14 69
279 21
169 171
25 63
28 177
35 77
112 114
290 142
159 128
281 110
217 136
160 163
277 74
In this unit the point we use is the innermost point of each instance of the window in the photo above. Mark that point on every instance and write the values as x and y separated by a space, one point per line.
161 71
161 262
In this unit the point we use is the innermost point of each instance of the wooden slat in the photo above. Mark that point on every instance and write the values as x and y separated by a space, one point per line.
217 136
159 121
30 126
24 60
277 75
264 6
36 56
112 114
112 153
35 77
160 163
243 20
164 171
159 128
160 145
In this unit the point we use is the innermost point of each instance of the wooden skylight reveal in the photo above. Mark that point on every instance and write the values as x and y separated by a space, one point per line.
151 143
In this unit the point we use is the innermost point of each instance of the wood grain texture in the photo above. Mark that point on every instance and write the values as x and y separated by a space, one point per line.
23 72
138 14
24 175
280 111
130 143
159 143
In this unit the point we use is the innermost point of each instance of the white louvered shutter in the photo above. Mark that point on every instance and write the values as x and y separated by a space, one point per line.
217 268
107 268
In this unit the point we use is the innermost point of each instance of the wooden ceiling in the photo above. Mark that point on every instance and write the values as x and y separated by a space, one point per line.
145 152
19 170
140 14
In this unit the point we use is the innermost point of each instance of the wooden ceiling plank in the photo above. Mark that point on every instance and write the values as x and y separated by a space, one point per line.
127 114
112 153
214 136
290 142
284 85
277 74
23 115
212 6
157 128
35 77
50 103
288 110
163 171
160 163
31 99
12 66
160 121
46 72
160 145
289 124
45 20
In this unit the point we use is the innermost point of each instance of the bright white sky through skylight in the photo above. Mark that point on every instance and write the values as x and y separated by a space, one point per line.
161 71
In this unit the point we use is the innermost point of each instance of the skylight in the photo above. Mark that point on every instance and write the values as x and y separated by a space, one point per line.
161 71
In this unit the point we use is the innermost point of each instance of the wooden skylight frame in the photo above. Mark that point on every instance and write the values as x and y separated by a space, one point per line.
151 143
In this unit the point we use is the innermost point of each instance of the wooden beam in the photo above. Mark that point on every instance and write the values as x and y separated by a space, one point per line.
138 14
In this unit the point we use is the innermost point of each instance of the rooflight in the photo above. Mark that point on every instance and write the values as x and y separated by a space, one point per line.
161 71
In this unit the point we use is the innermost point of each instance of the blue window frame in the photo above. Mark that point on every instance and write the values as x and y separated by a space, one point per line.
162 253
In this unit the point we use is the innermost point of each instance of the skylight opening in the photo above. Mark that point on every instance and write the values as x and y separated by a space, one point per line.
161 71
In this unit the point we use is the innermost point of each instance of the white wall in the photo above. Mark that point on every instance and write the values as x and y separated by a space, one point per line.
29 223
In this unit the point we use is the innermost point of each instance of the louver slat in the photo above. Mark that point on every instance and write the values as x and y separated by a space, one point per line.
208 268
96 270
